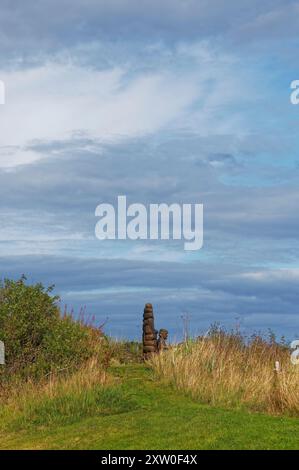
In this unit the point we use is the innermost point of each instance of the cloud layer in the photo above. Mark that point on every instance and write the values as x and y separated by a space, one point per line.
186 102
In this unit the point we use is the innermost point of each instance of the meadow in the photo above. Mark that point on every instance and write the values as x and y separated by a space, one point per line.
133 410
226 369
88 391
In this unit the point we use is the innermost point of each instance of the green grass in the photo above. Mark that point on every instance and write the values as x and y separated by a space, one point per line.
139 413
72 407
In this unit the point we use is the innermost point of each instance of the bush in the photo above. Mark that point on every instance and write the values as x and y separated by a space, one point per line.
37 338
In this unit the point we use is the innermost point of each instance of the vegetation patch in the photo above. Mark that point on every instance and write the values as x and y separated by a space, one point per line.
226 369
39 339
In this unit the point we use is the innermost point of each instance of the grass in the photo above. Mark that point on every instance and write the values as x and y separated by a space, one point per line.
225 370
137 412
62 400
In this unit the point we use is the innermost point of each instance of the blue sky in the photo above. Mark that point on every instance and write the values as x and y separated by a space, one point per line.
176 101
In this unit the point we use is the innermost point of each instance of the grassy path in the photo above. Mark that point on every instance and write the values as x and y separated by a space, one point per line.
161 418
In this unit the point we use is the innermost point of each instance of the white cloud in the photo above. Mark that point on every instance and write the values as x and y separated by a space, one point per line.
57 101
282 274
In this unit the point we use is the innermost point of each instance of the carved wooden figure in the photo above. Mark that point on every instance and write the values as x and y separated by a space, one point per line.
149 336
162 344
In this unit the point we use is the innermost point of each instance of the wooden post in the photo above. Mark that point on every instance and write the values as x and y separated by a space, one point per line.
277 367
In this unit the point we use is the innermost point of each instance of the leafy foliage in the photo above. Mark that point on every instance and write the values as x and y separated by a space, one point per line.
38 339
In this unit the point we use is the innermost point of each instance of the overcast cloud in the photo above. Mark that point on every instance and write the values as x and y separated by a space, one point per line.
175 101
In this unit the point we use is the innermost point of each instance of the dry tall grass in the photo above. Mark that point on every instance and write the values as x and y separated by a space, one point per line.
224 369
56 395
67 395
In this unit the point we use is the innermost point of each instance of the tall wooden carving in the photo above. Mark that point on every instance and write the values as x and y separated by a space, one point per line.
149 333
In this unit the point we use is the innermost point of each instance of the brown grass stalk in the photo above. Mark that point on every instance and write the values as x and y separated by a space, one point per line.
223 369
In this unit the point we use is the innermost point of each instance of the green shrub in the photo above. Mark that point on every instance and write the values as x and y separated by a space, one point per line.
38 340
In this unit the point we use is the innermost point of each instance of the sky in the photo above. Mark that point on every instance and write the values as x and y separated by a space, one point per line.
180 101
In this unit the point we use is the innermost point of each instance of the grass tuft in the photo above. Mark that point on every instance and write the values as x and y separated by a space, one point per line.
64 400
224 369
